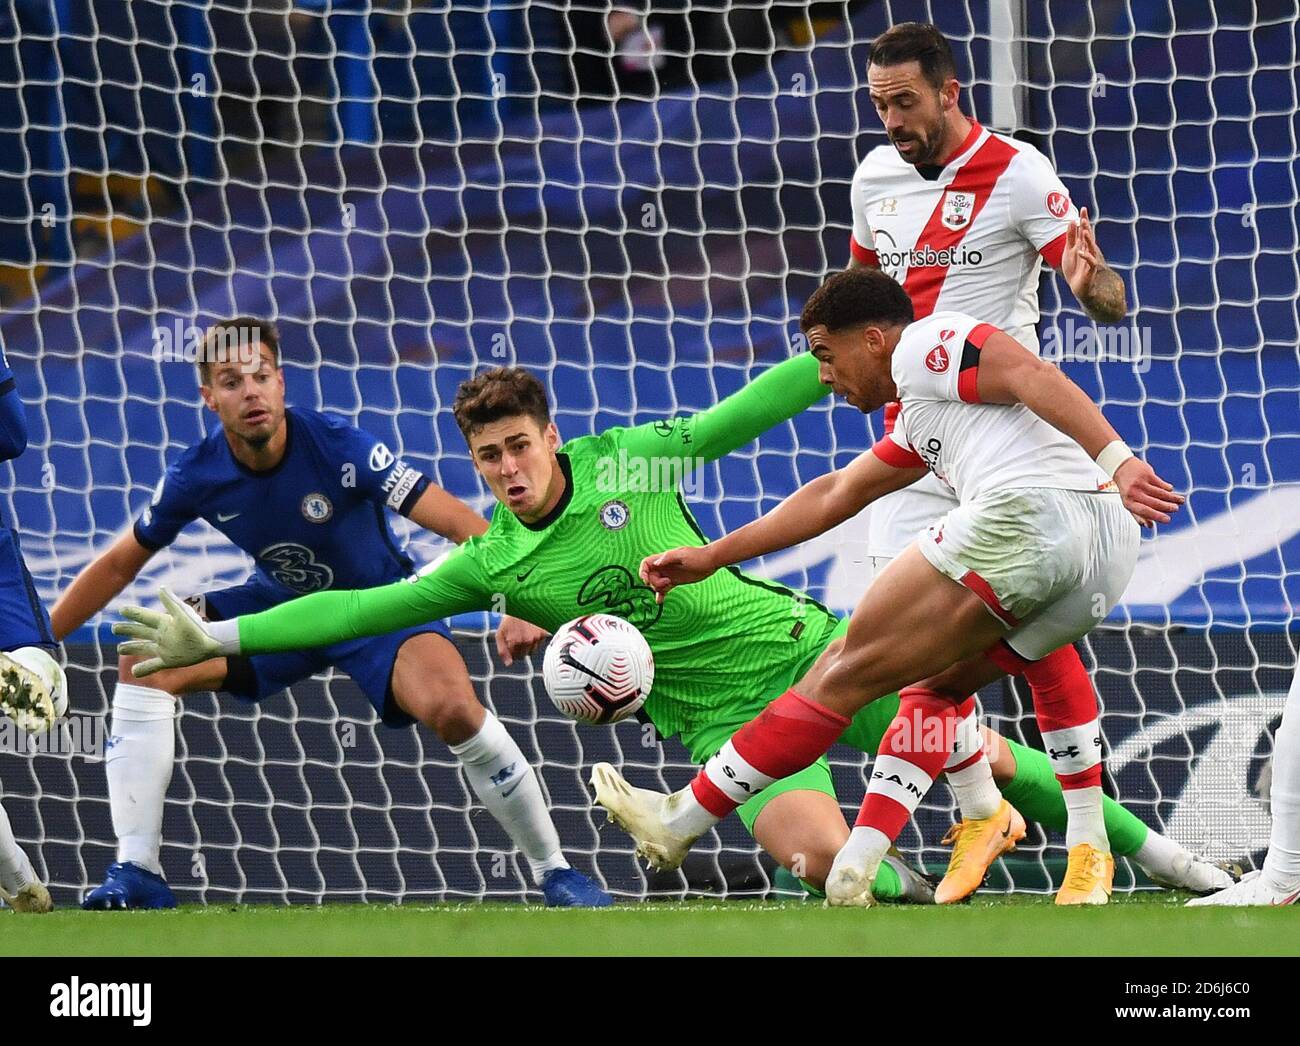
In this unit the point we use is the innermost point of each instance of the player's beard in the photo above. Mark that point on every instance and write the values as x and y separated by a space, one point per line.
929 139
258 438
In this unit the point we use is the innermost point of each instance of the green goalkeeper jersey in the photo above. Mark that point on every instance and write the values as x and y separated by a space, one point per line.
728 640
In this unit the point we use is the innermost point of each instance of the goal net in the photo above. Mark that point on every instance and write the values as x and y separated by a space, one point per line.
635 209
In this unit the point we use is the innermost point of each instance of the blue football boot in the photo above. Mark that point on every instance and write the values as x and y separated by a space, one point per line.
127 885
569 888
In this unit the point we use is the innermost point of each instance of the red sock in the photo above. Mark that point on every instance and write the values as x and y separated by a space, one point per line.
964 710
911 756
788 735
1065 705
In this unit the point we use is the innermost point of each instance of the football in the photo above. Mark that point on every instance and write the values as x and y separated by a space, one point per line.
598 669
37 710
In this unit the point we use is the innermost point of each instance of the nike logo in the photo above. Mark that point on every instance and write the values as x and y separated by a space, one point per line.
568 659
224 518
1285 900
1006 832
520 577
506 794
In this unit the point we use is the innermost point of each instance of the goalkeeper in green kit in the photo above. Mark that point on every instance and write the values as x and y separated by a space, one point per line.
572 525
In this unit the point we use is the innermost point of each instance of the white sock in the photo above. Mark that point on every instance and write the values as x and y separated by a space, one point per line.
733 776
507 786
1085 822
15 869
138 764
973 787
1282 865
1074 750
866 848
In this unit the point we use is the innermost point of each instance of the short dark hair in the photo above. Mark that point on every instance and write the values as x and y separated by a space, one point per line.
240 333
916 42
503 392
856 297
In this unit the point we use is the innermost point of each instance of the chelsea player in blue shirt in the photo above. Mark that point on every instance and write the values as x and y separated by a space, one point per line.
31 681
305 495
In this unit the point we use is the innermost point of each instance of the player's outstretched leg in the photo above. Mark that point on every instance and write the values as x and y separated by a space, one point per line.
1278 882
1026 778
912 624
431 683
141 752
1065 705
20 886
912 754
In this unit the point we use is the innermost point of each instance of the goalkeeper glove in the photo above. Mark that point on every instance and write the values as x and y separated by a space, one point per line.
175 638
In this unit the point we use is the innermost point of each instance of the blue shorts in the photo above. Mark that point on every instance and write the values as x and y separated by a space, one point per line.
23 618
368 661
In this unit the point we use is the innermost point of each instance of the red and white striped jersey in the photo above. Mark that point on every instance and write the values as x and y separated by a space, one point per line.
969 236
973 447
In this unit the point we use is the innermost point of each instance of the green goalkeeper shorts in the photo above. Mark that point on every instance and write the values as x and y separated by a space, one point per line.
864 733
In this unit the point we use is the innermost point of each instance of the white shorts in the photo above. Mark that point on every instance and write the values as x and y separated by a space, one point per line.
897 518
1049 564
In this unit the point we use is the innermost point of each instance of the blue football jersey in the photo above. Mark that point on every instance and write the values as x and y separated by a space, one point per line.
315 521
24 620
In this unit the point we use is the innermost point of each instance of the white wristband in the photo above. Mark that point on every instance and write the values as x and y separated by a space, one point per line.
1112 456
226 633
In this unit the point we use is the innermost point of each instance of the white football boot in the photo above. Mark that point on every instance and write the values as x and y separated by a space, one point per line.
1198 875
850 880
644 815
1252 891
33 898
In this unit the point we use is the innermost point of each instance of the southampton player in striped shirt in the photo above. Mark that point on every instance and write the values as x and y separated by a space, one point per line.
964 219
305 494
570 529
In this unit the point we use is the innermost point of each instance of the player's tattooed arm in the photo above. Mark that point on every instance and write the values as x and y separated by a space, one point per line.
447 515
813 509
1097 286
1010 373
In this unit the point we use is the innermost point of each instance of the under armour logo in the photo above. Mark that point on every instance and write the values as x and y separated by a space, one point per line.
112 742
1062 753
503 775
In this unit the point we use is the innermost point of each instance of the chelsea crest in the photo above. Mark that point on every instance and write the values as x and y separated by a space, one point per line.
614 515
316 508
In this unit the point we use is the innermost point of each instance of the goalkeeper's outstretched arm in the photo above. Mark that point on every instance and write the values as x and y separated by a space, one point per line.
813 509
776 395
176 636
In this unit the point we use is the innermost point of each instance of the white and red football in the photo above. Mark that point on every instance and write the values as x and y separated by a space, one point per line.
598 669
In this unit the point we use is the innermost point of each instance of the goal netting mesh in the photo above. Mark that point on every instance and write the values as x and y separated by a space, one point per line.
635 209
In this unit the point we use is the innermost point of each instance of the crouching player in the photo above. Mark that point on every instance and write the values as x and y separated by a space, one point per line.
305 495
1038 551
566 539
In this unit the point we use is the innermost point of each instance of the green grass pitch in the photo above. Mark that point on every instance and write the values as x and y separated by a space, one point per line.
1141 924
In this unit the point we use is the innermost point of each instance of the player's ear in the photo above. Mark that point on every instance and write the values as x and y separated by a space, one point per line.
551 436
205 391
950 94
